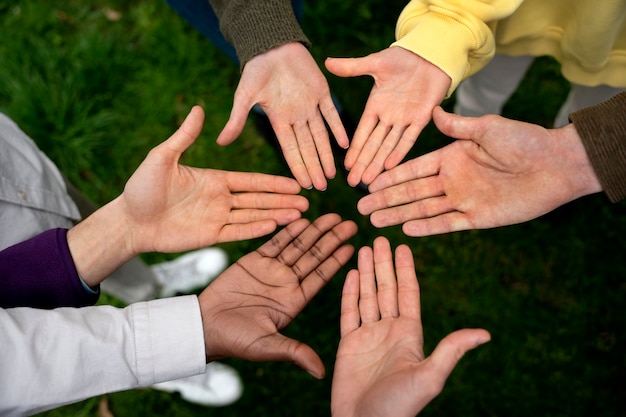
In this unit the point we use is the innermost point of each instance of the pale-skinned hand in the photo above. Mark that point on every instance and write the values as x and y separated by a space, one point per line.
168 207
244 309
290 88
406 89
381 369
499 172
173 208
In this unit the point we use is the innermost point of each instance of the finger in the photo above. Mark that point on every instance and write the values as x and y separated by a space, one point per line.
385 279
350 318
323 248
235 124
363 131
331 115
368 301
348 67
458 127
322 274
424 166
279 242
422 209
322 143
305 240
399 195
409 304
453 221
308 153
265 201
280 216
239 232
449 352
367 153
253 181
187 133
291 151
387 146
280 348
405 144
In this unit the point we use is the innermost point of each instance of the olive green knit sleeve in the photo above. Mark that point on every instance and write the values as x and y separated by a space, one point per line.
602 129
255 26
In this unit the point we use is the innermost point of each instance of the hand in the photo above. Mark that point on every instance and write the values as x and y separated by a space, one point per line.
381 369
406 89
246 306
499 172
173 208
290 88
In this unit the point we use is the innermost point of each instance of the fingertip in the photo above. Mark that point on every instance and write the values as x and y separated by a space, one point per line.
362 207
316 373
482 337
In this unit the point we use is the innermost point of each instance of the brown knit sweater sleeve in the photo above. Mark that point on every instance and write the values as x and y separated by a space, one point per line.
602 129
255 26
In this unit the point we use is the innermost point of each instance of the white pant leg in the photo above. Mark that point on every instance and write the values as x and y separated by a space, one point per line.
580 97
488 90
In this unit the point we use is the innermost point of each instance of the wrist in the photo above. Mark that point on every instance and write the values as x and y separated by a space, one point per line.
580 174
101 243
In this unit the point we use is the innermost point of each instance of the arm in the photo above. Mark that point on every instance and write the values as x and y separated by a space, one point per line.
602 129
53 358
439 43
95 350
255 26
381 369
499 172
280 75
40 273
167 207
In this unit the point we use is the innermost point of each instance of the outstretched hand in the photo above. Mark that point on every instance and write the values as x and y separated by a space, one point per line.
406 89
244 309
381 369
290 88
173 208
499 172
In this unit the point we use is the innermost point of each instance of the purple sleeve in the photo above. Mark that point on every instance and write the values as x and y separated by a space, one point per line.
40 273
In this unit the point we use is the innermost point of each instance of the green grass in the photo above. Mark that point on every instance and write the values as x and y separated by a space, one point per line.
97 90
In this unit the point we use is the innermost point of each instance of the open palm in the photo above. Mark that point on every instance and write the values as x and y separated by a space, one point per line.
248 304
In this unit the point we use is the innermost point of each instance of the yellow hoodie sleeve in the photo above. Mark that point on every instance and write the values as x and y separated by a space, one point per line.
455 35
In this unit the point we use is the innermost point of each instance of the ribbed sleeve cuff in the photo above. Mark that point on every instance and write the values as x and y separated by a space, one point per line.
259 26
602 129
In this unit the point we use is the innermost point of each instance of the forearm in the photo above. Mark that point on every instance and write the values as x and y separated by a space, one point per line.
254 27
454 35
40 273
95 350
573 164
602 129
101 243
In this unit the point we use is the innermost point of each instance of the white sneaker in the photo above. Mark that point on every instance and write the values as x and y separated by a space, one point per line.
220 385
190 271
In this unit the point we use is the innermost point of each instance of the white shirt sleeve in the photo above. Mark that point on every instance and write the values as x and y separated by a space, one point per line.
49 358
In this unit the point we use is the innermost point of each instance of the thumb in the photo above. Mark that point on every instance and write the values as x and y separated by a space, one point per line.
235 124
281 348
451 349
455 126
187 133
348 67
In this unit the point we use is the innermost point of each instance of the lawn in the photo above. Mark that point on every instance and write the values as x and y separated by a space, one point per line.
98 83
